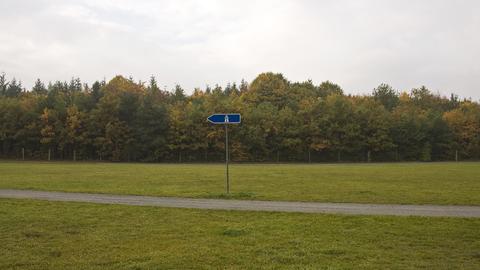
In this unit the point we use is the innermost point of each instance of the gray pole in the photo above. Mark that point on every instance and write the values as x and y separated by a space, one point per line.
226 157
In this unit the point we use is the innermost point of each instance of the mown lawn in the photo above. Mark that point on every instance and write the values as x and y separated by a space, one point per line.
404 183
59 235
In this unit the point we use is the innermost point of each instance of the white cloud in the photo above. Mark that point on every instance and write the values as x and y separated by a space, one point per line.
358 44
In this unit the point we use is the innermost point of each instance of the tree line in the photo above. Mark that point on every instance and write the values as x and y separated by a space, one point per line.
282 121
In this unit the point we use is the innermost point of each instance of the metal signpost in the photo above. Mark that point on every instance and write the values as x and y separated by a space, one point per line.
225 119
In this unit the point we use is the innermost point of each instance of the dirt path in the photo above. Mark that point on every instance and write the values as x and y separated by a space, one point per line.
274 206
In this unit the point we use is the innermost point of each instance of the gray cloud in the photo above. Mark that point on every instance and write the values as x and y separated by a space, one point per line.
357 44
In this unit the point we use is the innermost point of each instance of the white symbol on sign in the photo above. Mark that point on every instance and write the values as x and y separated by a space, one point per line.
226 118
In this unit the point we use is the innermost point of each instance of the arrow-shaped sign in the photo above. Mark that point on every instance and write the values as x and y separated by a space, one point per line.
225 118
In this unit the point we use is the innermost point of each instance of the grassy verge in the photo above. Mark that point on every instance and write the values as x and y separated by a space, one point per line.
405 183
54 235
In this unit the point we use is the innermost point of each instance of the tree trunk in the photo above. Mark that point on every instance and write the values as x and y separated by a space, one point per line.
49 153
368 156
309 156
456 155
74 155
23 153
338 156
278 156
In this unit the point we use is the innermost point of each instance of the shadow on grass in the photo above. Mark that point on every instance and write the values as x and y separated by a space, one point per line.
234 232
231 196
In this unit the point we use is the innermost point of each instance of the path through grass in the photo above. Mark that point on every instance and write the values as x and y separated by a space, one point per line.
404 183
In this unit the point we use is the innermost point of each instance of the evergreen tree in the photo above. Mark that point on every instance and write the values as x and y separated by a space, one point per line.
126 120
386 95
14 88
39 88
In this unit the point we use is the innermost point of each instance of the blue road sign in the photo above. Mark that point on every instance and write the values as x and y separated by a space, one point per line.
225 118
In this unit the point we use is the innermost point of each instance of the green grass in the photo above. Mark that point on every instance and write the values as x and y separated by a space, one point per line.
404 183
59 235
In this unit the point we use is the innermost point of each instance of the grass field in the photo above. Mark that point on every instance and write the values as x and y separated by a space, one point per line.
60 235
56 235
404 183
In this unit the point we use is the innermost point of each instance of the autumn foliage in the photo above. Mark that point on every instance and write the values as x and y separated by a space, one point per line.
124 120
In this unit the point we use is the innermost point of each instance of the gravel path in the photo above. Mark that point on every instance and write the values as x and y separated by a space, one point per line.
274 206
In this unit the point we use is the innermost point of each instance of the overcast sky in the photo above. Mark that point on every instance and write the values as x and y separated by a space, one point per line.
357 44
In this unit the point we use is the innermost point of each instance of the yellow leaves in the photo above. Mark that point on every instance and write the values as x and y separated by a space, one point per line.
307 104
74 125
464 121
29 101
44 116
404 97
119 85
198 94
317 146
212 134
239 152
268 87
47 131
452 117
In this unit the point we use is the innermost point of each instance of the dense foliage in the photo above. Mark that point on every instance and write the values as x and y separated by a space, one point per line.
123 120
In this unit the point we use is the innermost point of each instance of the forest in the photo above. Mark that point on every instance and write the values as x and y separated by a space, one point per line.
282 121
